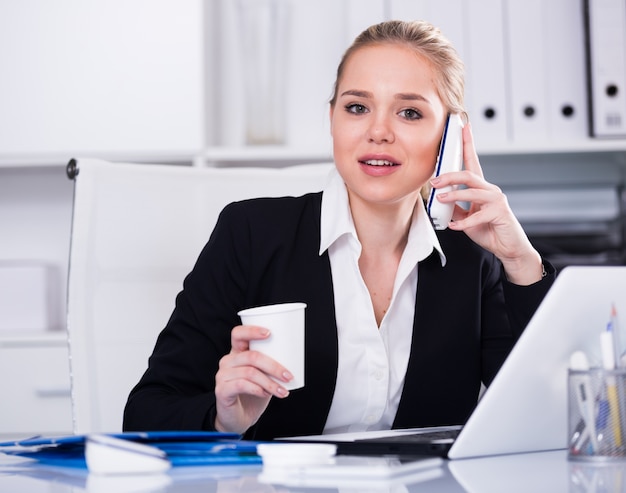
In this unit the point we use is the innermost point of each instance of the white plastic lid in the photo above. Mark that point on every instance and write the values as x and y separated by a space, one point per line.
290 454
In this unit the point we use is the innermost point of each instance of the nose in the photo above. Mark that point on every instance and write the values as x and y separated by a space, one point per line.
380 131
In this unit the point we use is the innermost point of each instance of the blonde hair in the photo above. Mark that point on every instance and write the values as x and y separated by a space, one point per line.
428 41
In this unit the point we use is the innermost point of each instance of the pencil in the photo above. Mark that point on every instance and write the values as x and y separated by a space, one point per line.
608 361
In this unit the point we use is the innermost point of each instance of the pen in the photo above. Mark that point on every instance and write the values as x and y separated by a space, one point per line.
620 357
620 363
614 329
586 402
608 361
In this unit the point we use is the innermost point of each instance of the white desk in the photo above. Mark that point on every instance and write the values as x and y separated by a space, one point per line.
548 472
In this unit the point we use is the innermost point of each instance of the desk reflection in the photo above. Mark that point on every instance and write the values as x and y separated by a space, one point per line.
521 473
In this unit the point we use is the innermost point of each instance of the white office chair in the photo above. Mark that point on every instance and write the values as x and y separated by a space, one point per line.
136 232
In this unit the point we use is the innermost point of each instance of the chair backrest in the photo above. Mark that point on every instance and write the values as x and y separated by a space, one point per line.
137 230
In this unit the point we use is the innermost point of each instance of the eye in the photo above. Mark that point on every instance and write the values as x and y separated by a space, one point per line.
410 114
356 108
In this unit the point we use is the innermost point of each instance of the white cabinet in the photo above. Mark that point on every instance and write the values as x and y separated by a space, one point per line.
35 385
116 77
35 216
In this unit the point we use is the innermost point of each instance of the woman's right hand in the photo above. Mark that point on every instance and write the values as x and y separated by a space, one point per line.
243 387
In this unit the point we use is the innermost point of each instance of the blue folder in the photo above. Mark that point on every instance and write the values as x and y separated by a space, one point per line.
183 448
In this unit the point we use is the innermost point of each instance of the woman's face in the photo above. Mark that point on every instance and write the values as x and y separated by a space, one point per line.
386 124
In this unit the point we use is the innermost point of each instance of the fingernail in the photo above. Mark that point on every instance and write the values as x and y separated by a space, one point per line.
434 181
281 391
287 376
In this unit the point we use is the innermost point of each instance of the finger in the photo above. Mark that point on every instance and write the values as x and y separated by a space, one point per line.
458 213
470 219
485 208
477 192
241 335
229 391
470 157
254 361
249 381
455 178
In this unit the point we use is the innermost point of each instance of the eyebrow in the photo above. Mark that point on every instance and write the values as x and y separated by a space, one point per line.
403 96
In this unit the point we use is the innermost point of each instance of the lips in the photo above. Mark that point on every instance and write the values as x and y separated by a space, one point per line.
379 162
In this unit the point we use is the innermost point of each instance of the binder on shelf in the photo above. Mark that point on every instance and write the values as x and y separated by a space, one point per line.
605 29
527 62
565 70
486 83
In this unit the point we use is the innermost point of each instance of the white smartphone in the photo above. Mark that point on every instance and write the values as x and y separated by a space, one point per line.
450 158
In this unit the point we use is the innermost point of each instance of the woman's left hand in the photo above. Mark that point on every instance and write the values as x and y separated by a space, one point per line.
489 221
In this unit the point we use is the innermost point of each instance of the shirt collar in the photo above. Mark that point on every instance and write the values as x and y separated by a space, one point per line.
336 221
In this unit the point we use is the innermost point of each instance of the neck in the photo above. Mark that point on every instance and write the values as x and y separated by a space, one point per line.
383 232
382 228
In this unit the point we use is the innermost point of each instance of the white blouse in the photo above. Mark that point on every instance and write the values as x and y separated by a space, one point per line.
372 360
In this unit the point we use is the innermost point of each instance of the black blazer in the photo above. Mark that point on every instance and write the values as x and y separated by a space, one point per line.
264 251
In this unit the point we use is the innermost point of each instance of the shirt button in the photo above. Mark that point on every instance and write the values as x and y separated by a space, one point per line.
370 419
379 374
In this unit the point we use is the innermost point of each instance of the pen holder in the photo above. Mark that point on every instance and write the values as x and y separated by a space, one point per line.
597 414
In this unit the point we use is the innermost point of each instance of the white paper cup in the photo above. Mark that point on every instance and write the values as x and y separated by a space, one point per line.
286 341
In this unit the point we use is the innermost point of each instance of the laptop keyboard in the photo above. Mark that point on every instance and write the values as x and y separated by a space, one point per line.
419 437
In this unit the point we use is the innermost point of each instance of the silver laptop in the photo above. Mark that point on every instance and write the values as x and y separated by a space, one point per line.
525 407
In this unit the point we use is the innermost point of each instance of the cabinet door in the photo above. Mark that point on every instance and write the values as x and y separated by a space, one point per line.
35 391
100 77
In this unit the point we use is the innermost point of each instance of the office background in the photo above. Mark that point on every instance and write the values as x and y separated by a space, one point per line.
161 81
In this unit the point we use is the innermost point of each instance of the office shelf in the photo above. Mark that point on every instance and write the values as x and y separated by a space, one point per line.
26 338
43 160
282 155
286 155
587 145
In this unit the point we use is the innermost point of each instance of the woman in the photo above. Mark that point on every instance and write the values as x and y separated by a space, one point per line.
402 323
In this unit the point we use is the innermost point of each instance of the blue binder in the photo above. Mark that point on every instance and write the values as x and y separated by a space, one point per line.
183 448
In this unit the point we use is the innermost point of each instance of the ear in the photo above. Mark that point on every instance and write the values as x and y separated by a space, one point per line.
331 112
